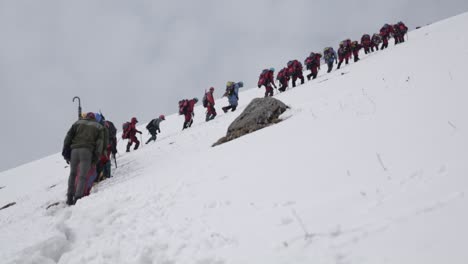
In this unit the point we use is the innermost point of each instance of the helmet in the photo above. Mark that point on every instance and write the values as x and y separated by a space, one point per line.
195 99
229 84
90 115
162 117
241 84
134 120
211 89
272 69
312 54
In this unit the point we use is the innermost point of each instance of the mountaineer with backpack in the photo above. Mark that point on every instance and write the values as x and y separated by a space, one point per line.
129 132
186 108
283 79
400 30
82 147
355 47
232 93
295 71
153 127
386 32
375 41
344 52
312 63
366 43
329 55
266 79
208 103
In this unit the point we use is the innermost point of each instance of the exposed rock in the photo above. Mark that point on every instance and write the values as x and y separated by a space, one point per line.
260 113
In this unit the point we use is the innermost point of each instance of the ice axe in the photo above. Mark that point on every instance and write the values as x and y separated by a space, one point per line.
79 106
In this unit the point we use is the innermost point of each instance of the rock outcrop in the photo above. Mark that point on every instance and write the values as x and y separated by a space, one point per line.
260 113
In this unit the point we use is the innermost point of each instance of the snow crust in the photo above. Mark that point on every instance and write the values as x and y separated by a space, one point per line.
369 166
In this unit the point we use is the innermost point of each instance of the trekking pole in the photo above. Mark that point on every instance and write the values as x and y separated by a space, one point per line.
141 140
79 106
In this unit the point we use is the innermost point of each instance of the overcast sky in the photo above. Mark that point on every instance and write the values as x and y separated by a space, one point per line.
139 57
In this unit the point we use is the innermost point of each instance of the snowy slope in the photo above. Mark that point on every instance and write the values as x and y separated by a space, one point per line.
369 166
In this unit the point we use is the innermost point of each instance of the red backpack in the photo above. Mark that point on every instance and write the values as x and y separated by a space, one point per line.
126 130
263 78
183 106
281 74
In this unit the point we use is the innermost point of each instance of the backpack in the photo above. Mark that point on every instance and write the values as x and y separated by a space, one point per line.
263 77
205 100
182 106
112 129
309 61
402 27
126 129
231 90
150 125
376 38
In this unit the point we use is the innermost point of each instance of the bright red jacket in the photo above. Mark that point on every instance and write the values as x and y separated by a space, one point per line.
210 98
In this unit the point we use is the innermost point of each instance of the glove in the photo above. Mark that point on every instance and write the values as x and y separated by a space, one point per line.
139 132
104 159
159 130
66 154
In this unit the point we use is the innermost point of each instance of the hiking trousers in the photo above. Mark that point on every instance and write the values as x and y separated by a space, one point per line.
133 139
81 157
153 136
268 91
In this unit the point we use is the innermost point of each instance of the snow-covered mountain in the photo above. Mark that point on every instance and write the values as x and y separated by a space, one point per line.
369 166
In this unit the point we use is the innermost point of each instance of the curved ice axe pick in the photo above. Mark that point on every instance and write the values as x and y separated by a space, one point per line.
79 106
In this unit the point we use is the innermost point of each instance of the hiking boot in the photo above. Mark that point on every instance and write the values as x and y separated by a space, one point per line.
69 200
75 199
224 109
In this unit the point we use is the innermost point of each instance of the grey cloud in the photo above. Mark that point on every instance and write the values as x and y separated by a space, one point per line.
138 58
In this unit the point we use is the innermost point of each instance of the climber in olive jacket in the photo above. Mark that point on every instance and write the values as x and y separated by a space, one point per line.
82 147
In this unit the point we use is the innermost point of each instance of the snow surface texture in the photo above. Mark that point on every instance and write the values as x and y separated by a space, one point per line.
368 167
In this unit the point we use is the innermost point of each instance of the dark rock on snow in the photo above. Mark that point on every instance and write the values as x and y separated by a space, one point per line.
260 113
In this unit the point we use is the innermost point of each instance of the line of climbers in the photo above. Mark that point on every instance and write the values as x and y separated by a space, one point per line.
186 106
89 145
92 140
347 49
